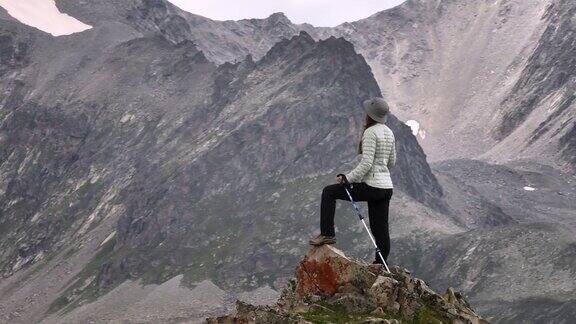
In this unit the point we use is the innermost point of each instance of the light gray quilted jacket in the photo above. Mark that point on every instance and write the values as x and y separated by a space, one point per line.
378 156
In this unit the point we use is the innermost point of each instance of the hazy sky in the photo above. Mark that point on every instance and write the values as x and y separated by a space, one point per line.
316 12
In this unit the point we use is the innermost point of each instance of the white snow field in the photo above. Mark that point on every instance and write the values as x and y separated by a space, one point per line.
44 15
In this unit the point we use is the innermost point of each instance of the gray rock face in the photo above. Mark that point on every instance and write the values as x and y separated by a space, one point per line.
482 78
184 155
521 192
486 263
519 237
221 41
548 80
13 52
254 156
430 60
134 155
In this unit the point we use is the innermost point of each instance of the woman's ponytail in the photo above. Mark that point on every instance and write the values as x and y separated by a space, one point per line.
369 122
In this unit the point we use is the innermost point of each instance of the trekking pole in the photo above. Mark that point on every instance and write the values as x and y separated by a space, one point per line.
365 226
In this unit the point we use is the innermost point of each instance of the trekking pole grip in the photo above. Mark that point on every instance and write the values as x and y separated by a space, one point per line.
345 182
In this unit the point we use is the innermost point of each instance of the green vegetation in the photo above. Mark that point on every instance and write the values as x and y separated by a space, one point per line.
427 315
58 304
76 294
327 313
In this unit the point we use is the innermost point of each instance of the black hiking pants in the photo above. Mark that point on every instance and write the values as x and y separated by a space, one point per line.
378 202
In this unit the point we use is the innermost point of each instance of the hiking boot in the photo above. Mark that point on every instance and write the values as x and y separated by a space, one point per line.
321 240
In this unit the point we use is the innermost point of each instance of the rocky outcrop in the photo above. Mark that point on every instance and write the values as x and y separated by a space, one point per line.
331 287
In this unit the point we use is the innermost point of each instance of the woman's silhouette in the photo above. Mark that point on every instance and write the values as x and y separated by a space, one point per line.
369 181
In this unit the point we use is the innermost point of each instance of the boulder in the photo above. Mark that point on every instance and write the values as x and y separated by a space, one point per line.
330 287
326 271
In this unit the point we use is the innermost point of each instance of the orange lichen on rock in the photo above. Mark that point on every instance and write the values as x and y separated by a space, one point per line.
316 278
326 271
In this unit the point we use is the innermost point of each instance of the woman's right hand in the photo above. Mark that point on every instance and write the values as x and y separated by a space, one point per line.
341 178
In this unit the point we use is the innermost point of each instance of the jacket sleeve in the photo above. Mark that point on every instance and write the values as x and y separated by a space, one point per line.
368 151
392 156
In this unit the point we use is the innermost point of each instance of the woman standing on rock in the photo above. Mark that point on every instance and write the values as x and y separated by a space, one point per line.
370 181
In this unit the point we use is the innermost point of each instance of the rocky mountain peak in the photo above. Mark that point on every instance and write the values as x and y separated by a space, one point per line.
330 47
337 44
4 14
296 45
330 286
279 17
275 24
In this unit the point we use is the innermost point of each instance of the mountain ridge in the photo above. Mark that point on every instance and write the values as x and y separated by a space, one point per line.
133 138
408 47
145 159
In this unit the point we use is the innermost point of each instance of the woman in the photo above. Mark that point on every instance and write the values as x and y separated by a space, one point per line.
370 180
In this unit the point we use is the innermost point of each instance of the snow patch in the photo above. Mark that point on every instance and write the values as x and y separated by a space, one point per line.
126 118
35 217
415 127
94 179
527 188
108 238
44 15
469 252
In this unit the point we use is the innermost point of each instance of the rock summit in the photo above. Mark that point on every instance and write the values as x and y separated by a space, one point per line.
332 288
